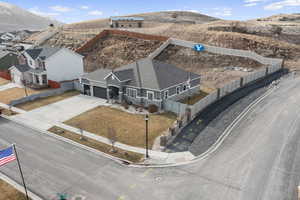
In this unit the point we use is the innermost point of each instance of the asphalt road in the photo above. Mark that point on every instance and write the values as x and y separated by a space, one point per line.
259 160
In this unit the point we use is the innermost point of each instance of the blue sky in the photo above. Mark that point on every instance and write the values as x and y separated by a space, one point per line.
73 11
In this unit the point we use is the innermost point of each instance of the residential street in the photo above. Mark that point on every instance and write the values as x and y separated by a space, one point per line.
259 160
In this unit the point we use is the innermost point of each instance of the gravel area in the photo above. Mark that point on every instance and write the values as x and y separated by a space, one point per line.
205 129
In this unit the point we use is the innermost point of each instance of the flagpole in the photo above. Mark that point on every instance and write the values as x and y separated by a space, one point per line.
14 146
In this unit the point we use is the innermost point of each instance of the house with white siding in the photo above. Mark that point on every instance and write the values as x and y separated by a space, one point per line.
48 66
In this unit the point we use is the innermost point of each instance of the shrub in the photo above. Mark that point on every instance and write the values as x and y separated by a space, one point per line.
125 105
152 108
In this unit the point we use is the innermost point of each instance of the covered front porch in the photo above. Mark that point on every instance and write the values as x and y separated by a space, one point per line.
37 78
115 93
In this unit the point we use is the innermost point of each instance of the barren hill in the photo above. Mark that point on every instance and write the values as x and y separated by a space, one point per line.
268 37
14 18
151 19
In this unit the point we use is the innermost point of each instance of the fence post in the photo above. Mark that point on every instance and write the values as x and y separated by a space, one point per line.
218 93
241 82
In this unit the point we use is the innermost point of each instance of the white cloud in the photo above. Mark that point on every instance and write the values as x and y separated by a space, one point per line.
60 8
250 4
223 12
84 7
36 10
281 4
95 12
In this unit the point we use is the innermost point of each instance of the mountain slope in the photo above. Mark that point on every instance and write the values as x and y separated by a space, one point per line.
14 18
153 19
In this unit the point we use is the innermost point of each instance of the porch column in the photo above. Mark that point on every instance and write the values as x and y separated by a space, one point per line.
91 89
107 93
41 79
120 94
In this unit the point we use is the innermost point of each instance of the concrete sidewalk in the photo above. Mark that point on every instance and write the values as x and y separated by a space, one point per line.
8 86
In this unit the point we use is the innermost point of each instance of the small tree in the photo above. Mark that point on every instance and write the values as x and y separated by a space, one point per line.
112 136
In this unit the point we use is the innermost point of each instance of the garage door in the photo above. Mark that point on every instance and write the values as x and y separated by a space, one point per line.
100 92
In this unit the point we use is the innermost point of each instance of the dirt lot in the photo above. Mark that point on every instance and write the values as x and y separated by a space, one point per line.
7 96
45 101
7 192
3 81
130 156
130 128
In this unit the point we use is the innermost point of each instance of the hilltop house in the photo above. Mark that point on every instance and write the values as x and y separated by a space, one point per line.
144 82
126 22
47 66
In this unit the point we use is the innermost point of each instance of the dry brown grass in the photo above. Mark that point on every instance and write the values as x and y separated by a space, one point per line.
7 192
130 128
130 156
3 81
195 98
46 101
7 96
7 112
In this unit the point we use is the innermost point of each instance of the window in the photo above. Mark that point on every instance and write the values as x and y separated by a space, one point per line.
131 92
184 88
178 90
44 79
166 95
150 95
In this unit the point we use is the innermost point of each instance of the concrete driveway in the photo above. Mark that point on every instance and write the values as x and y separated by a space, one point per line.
8 86
44 117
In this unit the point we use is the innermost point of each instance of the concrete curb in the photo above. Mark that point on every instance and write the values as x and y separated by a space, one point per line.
124 162
218 143
118 160
19 187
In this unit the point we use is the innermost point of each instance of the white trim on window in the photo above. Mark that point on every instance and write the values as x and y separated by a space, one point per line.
150 92
166 94
178 89
131 92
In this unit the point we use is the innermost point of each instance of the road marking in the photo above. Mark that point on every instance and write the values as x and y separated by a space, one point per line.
122 197
147 172
132 186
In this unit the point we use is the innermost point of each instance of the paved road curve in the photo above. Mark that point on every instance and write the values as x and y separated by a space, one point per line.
260 160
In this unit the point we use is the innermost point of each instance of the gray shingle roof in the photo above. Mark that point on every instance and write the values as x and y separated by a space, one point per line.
22 68
146 73
42 52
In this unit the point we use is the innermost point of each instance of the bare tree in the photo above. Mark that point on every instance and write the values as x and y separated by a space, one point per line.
112 136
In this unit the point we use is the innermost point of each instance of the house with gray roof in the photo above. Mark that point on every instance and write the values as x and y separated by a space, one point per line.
144 82
126 22
47 66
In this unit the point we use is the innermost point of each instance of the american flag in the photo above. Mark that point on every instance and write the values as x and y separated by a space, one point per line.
7 155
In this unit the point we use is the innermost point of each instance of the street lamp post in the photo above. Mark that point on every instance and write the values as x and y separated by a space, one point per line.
146 120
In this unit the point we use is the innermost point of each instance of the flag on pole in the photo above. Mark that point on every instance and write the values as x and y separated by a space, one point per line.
6 156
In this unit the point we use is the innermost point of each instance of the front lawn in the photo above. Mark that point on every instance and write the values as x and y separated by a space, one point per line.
6 96
3 81
8 192
129 128
127 155
46 101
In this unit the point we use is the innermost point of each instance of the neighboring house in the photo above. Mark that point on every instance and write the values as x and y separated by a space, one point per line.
144 82
126 22
7 59
48 66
